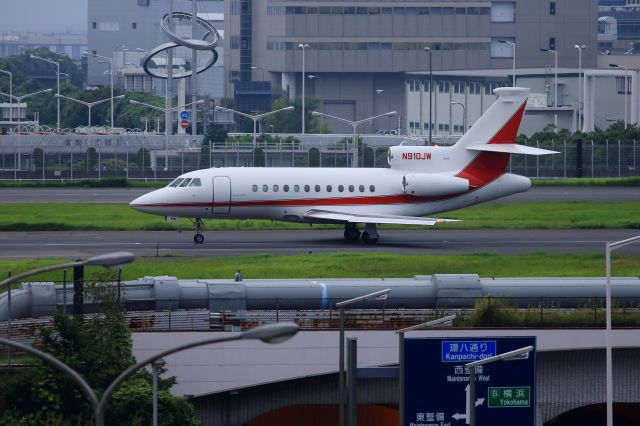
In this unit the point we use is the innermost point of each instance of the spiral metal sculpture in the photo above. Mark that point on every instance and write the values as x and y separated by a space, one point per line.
207 44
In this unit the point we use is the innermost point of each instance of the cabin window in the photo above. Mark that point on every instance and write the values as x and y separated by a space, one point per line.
285 188
185 183
340 188
317 188
276 188
372 188
307 188
296 188
361 188
254 188
351 188
329 188
175 183
265 188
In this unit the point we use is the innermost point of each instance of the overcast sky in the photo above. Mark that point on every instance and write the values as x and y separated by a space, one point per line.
43 15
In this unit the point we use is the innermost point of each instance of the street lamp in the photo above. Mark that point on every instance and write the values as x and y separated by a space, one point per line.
354 125
90 104
515 355
107 260
580 82
624 87
303 46
513 47
155 366
444 321
609 248
464 116
10 74
270 333
555 83
261 70
20 98
341 381
166 125
254 117
428 49
57 64
87 53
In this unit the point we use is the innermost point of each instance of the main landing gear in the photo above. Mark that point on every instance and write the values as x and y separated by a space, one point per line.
369 235
198 226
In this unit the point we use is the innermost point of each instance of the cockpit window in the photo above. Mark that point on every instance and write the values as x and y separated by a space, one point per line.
185 183
195 182
175 183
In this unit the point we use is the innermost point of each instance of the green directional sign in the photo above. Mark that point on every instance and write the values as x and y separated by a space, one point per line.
509 397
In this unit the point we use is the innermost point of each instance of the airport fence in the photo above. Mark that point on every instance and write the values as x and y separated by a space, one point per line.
63 158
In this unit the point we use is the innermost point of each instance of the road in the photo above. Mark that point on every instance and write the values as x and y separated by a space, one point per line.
235 243
125 195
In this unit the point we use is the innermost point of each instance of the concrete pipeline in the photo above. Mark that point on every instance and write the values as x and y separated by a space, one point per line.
420 292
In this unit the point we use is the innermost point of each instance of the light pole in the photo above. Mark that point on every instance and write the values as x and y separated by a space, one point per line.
167 113
380 92
155 366
624 87
303 46
609 248
517 354
90 105
254 117
354 125
448 320
464 116
341 381
513 48
580 47
57 64
428 49
87 53
20 98
106 260
261 70
555 84
10 74
271 333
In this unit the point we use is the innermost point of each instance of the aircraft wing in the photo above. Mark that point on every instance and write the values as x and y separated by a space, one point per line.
344 217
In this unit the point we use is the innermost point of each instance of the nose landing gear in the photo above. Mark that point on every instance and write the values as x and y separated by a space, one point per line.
198 226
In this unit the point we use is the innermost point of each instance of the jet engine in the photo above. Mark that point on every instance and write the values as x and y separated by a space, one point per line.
430 185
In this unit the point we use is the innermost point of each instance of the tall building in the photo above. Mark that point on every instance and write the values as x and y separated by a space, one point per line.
358 52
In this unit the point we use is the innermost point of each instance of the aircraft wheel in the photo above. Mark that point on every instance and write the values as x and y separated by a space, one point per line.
368 239
198 238
351 234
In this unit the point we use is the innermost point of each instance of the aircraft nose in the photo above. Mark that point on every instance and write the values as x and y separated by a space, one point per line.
149 203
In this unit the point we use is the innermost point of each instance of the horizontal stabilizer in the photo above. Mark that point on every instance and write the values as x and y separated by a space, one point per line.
511 148
345 217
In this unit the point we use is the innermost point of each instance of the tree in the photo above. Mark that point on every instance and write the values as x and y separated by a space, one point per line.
290 122
99 348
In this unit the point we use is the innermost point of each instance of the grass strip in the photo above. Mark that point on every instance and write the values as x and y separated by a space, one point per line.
628 181
354 265
113 217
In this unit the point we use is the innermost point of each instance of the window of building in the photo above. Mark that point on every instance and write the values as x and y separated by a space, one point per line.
474 88
109 26
503 11
552 43
443 87
276 188
134 26
235 7
312 10
458 87
254 188
307 188
265 188
552 8
94 25
461 10
317 188
351 188
143 3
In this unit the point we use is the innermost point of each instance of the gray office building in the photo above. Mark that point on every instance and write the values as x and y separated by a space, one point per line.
358 52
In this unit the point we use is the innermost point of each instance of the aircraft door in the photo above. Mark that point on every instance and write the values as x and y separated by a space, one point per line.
221 195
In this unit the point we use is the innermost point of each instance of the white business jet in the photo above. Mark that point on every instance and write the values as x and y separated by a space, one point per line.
421 180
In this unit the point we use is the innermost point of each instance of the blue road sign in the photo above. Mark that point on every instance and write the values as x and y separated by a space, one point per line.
437 382
184 115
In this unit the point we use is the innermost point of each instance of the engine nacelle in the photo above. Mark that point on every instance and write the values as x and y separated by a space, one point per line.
428 185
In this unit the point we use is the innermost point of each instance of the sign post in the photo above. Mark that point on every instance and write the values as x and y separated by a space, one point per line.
437 391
